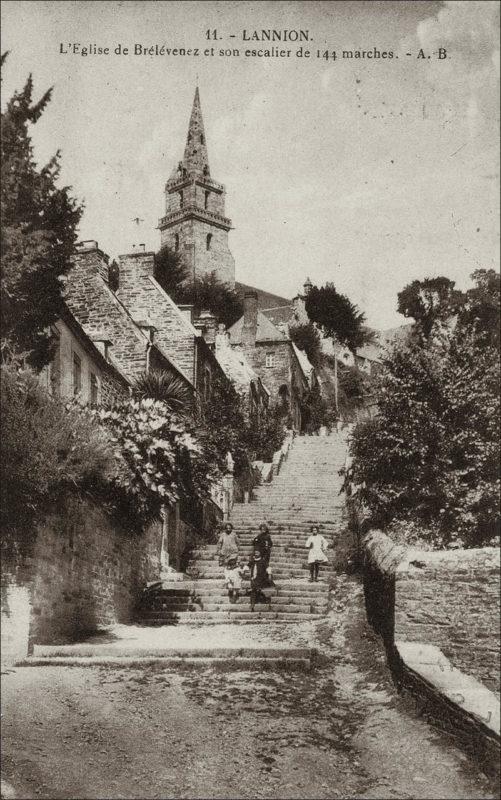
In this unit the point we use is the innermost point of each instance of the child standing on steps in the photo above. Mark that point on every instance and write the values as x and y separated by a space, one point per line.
317 545
233 574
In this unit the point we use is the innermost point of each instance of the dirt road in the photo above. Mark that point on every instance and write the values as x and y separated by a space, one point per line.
340 731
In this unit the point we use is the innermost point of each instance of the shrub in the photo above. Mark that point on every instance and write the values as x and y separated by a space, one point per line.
47 447
265 437
432 453
159 457
316 412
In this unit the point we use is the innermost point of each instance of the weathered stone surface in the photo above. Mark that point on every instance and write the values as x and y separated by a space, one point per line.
86 571
447 598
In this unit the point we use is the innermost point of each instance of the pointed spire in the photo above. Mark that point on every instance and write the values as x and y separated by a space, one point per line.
195 160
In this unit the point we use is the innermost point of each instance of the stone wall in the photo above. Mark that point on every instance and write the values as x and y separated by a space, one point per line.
84 572
145 300
449 599
438 614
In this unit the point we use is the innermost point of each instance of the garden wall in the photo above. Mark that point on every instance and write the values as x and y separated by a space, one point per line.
85 572
447 598
438 614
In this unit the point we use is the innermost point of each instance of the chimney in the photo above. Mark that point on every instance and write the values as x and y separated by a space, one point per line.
222 338
89 257
249 329
187 310
206 323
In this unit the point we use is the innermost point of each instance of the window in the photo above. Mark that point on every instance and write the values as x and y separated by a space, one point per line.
176 242
77 374
208 241
270 360
202 139
94 389
181 200
206 203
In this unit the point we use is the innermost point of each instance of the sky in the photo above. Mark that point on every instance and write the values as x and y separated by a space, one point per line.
368 173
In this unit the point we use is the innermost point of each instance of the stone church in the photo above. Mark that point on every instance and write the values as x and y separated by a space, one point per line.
195 225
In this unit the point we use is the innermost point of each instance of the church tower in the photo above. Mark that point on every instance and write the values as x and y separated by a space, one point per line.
194 224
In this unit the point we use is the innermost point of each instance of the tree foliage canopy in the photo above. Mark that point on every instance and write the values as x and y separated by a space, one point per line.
430 301
431 455
205 293
307 338
337 316
38 234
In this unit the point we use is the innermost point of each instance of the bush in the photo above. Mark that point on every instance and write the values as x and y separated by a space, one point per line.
432 454
265 437
316 412
47 447
159 457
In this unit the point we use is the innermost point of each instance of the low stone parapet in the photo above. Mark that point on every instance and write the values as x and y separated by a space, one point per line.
438 614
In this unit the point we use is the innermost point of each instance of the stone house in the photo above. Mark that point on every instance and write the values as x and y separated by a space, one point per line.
129 340
272 355
188 342
83 368
245 379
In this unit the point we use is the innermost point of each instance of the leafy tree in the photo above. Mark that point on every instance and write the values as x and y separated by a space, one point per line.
481 310
170 270
337 316
307 338
431 454
223 422
210 293
38 231
165 386
430 301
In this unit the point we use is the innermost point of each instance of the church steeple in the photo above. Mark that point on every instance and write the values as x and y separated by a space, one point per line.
195 159
195 224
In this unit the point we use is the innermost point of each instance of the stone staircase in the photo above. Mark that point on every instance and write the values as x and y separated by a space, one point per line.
306 491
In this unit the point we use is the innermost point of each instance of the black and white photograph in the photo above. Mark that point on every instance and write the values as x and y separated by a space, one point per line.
250 382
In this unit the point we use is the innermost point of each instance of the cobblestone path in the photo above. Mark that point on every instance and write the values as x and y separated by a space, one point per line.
338 731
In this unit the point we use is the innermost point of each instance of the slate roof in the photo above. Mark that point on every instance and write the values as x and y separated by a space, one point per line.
237 368
279 315
266 331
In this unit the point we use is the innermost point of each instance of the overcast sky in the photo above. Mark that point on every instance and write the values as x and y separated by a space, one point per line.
367 173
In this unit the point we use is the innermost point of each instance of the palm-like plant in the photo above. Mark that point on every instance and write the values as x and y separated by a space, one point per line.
164 385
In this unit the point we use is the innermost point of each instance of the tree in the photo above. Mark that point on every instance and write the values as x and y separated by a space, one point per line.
170 270
39 223
337 316
307 338
430 301
210 293
431 455
481 310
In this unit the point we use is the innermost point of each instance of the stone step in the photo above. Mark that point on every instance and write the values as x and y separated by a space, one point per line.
204 617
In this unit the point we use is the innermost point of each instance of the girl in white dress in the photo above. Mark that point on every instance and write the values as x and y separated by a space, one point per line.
317 545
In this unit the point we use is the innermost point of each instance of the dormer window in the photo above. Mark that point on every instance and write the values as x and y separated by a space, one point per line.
208 241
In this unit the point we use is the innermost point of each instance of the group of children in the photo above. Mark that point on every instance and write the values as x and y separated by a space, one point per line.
257 571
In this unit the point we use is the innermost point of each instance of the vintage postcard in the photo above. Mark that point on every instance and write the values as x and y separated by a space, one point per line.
250 399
